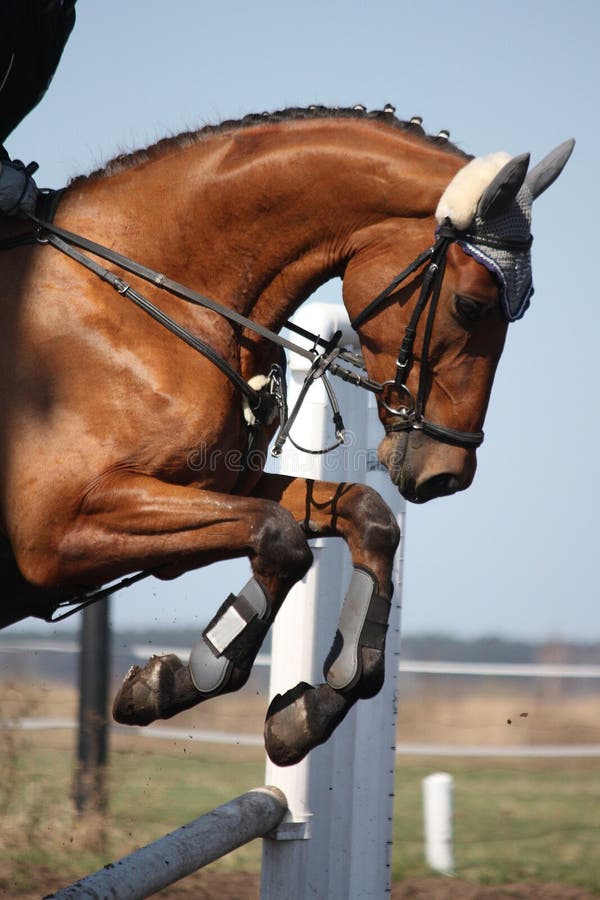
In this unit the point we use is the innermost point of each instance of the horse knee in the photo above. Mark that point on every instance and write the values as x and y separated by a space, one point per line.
281 549
379 530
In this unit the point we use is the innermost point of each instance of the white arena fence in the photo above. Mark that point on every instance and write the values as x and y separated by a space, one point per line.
185 850
407 666
243 739
415 667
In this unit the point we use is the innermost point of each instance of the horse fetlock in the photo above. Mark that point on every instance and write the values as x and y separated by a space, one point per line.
221 661
356 662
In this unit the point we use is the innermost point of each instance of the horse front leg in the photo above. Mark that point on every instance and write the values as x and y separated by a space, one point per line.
222 659
130 522
306 715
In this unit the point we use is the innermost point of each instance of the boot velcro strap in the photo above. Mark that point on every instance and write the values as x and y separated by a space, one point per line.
373 635
379 609
247 641
375 626
232 619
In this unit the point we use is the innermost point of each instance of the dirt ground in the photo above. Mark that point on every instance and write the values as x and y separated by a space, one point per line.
240 886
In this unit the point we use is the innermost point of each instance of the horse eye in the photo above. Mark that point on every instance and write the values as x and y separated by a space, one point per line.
468 309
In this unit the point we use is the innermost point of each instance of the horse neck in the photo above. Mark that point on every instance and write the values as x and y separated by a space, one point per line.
298 196
259 217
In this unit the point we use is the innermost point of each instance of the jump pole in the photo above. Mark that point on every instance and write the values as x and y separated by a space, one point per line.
336 839
189 848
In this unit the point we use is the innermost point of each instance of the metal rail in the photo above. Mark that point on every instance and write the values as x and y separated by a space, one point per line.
191 847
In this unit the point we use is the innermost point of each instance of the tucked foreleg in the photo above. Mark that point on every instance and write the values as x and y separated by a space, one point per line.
306 716
130 522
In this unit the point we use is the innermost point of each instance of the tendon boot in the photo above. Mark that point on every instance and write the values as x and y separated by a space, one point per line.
219 663
222 660
356 661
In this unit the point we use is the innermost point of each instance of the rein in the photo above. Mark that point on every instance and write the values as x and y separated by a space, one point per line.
264 403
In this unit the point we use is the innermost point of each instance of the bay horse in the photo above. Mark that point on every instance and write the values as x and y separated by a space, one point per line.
104 409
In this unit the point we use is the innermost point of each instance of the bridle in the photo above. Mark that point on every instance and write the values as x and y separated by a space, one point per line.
411 414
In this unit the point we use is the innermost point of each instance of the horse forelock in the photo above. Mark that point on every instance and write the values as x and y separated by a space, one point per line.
384 116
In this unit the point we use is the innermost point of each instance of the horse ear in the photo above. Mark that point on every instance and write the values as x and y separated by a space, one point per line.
504 187
548 170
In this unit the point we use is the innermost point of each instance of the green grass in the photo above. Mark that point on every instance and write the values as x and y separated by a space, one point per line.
150 794
514 820
171 790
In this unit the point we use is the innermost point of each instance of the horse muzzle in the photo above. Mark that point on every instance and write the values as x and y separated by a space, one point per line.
423 468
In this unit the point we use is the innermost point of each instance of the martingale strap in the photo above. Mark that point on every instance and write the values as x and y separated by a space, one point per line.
317 370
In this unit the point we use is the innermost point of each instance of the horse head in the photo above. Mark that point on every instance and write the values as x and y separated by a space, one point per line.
435 334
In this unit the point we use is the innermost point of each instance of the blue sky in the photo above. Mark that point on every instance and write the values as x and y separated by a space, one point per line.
516 554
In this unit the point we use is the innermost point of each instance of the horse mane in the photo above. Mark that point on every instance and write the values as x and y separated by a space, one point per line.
386 116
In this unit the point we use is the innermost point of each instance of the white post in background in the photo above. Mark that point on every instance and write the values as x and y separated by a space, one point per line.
437 816
336 841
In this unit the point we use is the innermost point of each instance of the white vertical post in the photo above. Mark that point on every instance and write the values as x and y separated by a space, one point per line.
336 840
437 816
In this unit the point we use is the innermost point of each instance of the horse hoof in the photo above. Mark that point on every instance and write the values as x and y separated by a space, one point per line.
160 690
301 719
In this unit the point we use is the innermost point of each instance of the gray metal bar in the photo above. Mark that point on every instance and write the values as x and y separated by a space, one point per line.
151 868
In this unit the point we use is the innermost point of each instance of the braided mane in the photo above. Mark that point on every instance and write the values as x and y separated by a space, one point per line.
291 114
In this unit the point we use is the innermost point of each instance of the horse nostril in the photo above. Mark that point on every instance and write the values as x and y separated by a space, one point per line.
438 486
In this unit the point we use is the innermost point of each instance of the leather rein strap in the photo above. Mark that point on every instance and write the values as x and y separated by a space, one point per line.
262 403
